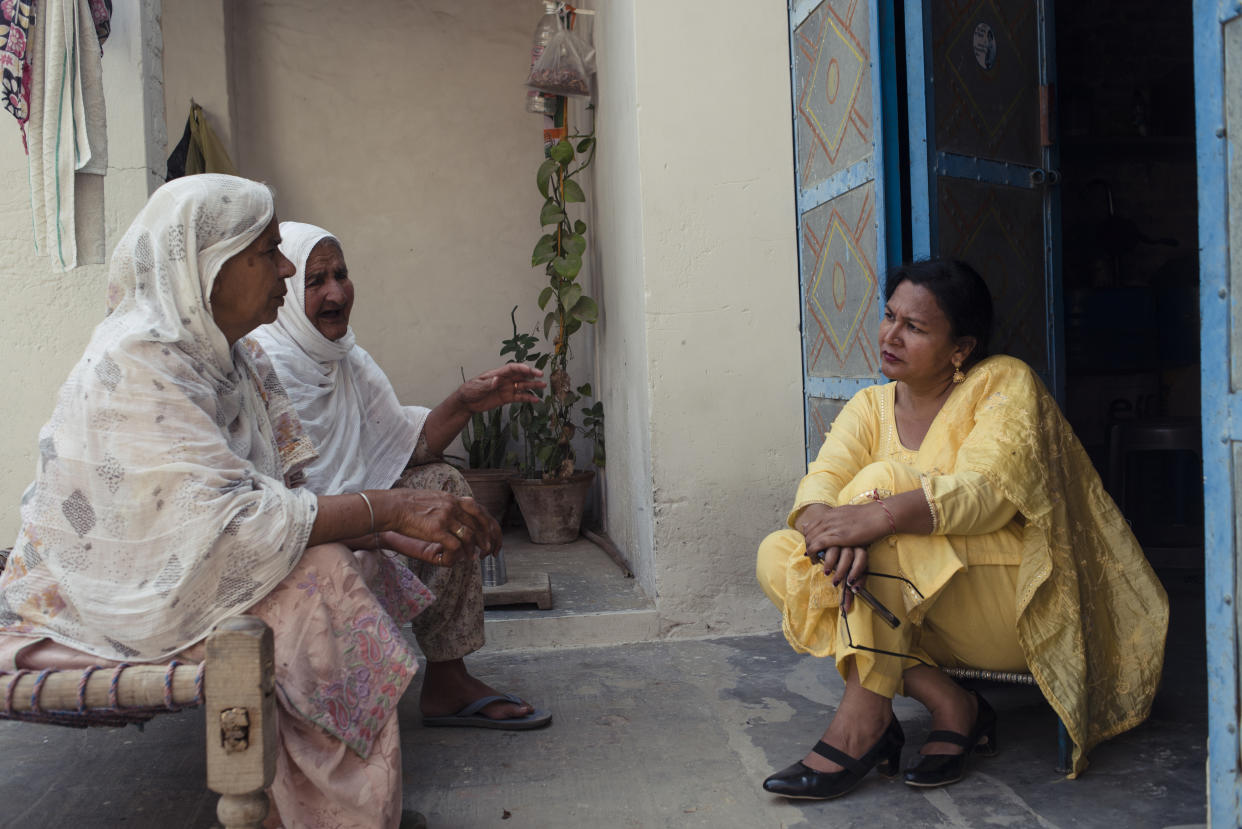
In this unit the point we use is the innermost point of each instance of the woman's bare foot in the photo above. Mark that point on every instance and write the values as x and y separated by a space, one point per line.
952 707
860 721
448 687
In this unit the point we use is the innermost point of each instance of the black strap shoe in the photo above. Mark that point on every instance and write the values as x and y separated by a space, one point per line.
934 770
802 782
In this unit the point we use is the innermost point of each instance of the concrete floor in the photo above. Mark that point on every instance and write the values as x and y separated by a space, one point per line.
658 734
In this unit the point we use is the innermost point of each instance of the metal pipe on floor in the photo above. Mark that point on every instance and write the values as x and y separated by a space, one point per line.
602 541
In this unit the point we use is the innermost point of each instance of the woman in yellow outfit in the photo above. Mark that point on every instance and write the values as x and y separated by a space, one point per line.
958 499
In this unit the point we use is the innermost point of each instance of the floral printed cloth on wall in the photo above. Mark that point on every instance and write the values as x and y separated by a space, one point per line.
16 17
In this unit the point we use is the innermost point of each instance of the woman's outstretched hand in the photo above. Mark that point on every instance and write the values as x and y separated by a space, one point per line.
511 383
438 527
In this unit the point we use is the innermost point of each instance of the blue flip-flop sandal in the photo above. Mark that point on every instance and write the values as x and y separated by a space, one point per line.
470 716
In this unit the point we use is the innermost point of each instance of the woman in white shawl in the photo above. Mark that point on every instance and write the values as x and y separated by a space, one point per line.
166 499
366 438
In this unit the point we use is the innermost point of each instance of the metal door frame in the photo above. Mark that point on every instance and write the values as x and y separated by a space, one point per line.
1222 411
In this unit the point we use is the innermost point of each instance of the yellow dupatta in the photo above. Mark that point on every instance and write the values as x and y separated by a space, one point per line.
1092 616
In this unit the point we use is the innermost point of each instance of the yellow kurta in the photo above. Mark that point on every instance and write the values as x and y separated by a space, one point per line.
1009 483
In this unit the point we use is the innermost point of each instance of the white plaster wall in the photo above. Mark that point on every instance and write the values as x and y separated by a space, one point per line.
711 327
403 130
622 329
49 316
195 67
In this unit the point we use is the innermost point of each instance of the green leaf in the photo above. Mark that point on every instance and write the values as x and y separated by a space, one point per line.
585 391
572 325
548 322
551 214
545 250
586 144
567 266
544 296
571 295
562 152
573 191
546 169
580 227
585 309
542 361
576 244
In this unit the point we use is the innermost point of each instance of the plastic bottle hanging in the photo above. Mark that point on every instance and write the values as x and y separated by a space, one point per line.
536 101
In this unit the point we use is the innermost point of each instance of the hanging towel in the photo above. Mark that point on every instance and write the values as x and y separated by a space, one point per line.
67 134
16 73
199 150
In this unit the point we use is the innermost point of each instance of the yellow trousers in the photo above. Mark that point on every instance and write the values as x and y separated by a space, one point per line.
966 616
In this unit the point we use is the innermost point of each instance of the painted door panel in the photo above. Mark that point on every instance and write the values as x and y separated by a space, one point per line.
982 160
841 199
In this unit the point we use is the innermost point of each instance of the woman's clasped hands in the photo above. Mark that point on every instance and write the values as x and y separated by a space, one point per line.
842 535
439 527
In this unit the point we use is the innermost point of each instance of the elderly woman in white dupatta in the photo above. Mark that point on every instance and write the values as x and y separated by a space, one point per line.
366 438
166 499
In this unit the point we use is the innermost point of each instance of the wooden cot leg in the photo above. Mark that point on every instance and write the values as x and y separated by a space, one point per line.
241 720
1065 748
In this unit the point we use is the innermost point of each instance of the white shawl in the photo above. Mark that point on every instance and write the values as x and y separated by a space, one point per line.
362 432
160 504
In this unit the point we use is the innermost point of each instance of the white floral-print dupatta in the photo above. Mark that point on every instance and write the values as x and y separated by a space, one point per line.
160 504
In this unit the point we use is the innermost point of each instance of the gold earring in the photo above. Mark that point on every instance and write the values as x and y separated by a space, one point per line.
958 377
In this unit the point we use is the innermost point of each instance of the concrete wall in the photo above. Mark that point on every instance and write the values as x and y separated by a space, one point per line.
700 347
49 316
196 66
409 140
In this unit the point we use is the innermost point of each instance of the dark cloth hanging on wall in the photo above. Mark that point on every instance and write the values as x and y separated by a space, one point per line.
199 150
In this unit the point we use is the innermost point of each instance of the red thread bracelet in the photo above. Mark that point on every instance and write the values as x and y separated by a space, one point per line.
892 524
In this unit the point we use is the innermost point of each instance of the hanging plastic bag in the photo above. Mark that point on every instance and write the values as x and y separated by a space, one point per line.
566 65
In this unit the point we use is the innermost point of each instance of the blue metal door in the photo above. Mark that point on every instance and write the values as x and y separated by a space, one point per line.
983 160
842 58
1218 121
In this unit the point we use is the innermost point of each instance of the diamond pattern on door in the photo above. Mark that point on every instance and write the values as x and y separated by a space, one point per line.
999 230
840 286
986 63
832 64
821 411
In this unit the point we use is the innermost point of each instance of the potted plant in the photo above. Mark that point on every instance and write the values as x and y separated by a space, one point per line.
551 491
485 438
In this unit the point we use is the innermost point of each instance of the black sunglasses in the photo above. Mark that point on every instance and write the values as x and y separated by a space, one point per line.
887 615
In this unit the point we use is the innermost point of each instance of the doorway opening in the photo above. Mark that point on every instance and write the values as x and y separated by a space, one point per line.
1130 280
1130 271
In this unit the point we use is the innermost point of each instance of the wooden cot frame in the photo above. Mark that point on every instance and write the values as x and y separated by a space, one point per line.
237 695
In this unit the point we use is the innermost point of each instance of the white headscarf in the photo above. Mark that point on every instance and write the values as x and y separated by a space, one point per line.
160 504
362 432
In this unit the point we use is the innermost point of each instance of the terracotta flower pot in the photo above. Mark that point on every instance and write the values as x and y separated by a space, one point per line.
553 511
491 489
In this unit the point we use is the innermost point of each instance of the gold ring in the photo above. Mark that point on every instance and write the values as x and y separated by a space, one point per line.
460 532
